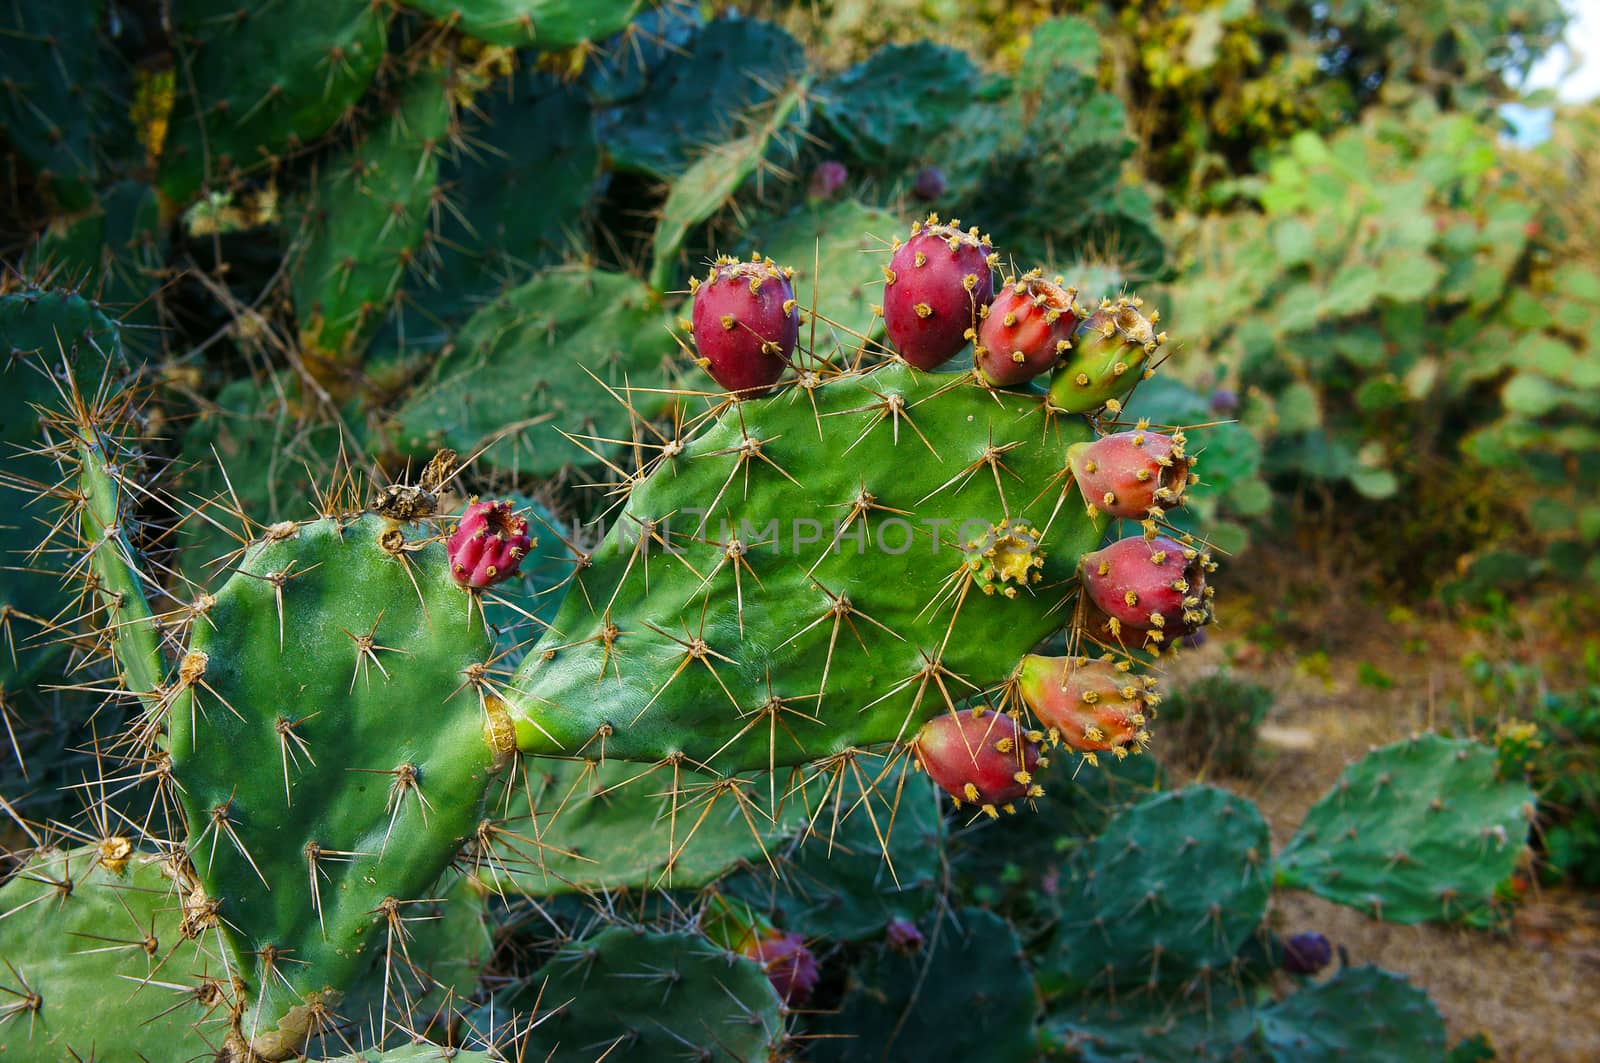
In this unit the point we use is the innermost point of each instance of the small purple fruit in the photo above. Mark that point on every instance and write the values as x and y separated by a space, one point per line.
827 179
938 282
930 184
746 324
903 936
1306 953
1224 402
790 966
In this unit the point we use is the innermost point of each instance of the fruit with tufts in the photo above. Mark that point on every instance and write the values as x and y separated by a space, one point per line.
487 545
1135 475
1155 585
1026 330
980 757
937 284
1108 357
790 966
746 323
1093 706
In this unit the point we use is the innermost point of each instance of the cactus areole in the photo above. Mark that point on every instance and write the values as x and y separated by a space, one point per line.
935 288
746 323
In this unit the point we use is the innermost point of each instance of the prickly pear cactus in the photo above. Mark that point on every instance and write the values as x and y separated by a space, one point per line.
800 575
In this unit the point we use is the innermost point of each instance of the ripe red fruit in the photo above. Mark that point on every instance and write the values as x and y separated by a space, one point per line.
746 323
1026 330
1093 706
1155 585
937 284
1134 474
980 757
790 966
487 544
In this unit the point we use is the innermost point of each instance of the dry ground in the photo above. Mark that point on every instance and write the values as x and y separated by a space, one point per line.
1533 990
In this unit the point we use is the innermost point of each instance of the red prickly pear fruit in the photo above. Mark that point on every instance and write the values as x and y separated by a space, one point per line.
790 966
1026 330
1093 706
746 323
827 179
938 282
930 184
1134 475
980 757
1151 584
487 544
1307 953
903 936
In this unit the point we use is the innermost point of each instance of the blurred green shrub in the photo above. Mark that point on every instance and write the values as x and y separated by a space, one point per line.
1212 723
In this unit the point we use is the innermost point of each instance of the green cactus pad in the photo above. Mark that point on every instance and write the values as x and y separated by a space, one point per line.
886 109
642 996
1361 1013
331 755
699 94
520 370
872 853
834 250
114 253
746 646
1208 1022
1171 888
40 333
967 996
544 24
713 178
364 220
55 94
620 70
519 201
95 962
616 825
1416 831
254 82
418 1053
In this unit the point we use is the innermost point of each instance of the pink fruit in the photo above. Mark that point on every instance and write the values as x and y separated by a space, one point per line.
790 966
1026 330
827 179
1134 474
903 936
1094 706
1155 585
746 323
487 544
938 282
980 757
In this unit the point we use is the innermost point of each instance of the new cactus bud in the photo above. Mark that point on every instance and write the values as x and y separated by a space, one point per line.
903 936
930 184
1306 953
980 757
937 284
487 544
1093 706
790 966
1134 474
827 179
746 323
1108 356
1026 330
1154 585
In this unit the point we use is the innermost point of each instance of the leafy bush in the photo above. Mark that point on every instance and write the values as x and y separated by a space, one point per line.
1212 723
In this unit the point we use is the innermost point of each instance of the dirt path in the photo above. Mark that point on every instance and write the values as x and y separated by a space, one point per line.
1532 991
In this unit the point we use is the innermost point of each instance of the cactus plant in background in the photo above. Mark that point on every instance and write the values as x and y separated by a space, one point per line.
355 765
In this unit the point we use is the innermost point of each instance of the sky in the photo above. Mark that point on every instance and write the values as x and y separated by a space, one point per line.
1582 55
